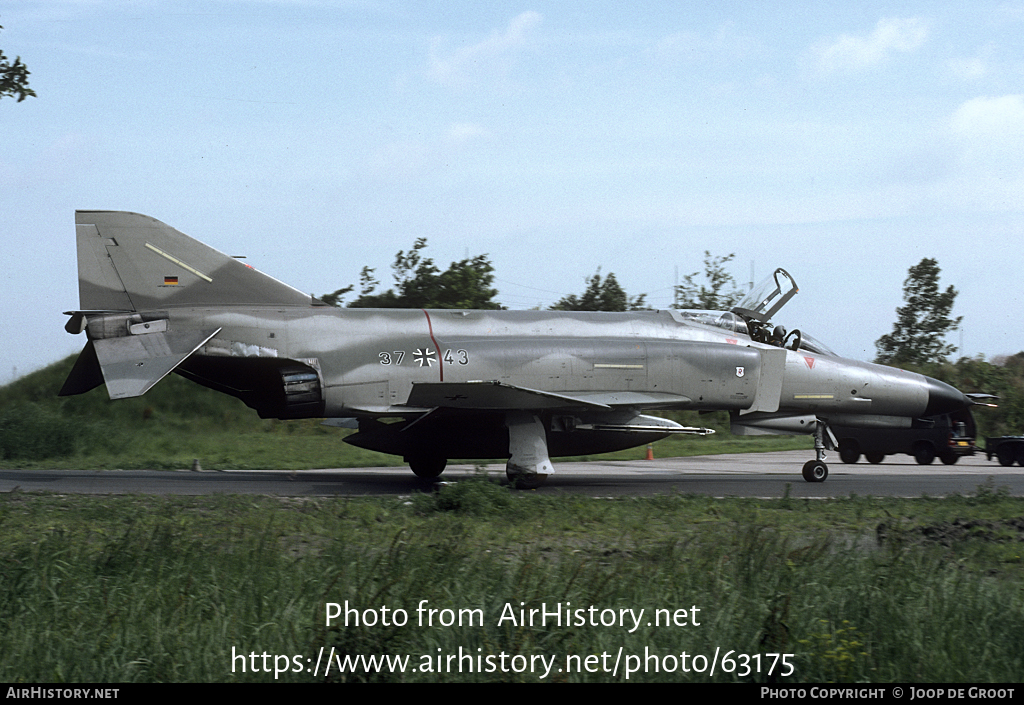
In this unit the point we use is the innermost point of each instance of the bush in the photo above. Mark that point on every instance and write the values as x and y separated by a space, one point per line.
32 432
475 496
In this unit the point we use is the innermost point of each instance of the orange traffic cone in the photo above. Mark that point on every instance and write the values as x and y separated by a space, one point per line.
650 452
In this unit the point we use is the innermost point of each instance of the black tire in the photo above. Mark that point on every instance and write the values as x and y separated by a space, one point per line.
849 452
874 458
815 471
427 467
1006 454
924 454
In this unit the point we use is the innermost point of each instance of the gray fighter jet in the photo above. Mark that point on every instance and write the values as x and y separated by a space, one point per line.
433 385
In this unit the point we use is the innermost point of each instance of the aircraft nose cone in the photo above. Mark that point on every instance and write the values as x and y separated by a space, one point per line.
943 398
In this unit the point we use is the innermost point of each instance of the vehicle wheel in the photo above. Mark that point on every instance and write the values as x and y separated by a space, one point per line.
949 458
1020 455
874 458
427 467
815 471
1006 455
849 452
924 454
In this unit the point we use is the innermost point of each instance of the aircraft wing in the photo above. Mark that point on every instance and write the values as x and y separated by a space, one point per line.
495 395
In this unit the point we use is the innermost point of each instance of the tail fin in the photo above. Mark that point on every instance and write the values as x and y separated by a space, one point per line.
131 262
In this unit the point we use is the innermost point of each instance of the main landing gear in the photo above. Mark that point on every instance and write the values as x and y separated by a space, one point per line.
816 470
427 467
528 465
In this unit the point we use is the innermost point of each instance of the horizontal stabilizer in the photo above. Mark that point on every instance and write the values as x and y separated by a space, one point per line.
491 395
131 365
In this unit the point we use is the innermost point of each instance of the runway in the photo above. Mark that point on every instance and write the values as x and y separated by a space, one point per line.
738 475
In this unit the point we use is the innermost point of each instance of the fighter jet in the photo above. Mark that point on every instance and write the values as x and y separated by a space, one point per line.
436 385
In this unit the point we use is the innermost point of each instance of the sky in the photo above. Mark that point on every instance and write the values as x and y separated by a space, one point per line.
843 142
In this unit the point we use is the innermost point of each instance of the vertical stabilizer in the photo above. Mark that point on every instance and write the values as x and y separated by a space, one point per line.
131 262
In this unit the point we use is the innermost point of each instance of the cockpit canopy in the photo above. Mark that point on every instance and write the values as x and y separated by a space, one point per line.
725 320
765 299
751 317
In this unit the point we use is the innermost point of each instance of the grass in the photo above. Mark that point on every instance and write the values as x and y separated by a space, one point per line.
160 589
143 589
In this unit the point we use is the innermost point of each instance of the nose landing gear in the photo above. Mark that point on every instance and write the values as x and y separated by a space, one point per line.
816 470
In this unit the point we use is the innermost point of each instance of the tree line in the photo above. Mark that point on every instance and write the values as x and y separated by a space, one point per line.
469 283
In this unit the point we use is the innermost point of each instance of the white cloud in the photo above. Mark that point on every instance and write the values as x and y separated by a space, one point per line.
493 55
850 52
998 121
989 136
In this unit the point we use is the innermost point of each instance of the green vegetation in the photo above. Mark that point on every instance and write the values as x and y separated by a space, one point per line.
719 292
918 336
420 284
607 295
120 589
14 78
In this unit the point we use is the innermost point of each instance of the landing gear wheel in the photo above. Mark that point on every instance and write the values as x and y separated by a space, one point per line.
815 471
522 481
427 467
875 458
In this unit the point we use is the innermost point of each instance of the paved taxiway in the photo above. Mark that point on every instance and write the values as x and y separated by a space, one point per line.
739 475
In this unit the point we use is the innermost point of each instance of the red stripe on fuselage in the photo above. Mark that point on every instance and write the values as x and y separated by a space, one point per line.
430 329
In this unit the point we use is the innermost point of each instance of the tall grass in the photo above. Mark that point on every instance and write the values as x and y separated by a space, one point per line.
162 589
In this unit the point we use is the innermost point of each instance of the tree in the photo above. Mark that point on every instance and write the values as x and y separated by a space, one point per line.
14 78
599 295
711 295
420 284
918 335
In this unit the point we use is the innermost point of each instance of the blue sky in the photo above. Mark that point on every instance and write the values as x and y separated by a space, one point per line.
841 141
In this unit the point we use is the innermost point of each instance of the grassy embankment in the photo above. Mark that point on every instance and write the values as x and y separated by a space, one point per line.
120 589
178 421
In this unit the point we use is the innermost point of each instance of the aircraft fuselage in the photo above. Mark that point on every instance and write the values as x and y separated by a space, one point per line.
437 384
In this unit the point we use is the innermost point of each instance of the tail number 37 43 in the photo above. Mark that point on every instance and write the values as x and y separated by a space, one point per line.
425 357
